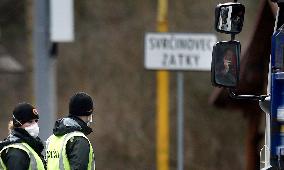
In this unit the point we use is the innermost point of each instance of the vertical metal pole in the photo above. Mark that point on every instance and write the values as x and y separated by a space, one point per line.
162 120
162 98
180 120
45 69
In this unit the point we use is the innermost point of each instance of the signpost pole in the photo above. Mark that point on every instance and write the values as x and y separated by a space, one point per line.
162 98
45 69
180 119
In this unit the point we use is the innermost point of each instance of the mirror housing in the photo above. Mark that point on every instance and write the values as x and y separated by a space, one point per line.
225 63
229 18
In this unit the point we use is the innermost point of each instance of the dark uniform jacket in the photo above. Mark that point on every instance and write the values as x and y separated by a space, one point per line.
17 159
77 148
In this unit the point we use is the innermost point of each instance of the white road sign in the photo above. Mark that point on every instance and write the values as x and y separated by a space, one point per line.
179 51
61 20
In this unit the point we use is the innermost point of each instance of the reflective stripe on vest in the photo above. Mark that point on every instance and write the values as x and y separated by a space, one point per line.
35 161
56 152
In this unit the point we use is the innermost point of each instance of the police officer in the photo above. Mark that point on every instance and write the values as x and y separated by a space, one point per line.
21 150
69 148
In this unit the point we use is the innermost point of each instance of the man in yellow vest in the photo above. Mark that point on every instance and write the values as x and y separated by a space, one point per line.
69 148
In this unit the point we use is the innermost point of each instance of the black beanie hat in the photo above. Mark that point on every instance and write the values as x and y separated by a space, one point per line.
23 113
81 104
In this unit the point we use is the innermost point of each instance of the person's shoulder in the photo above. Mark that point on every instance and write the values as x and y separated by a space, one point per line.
15 153
77 143
76 139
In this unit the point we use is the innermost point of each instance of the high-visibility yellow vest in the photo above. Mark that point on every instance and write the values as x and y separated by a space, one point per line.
56 152
35 161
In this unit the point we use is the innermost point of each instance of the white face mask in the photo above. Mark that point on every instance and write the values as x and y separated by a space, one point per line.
90 120
33 130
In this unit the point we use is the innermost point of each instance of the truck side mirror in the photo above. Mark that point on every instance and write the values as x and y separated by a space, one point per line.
229 18
225 63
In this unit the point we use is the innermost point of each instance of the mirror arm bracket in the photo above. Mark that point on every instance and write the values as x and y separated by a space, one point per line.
233 37
248 97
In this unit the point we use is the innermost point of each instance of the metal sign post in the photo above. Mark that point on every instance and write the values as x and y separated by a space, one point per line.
45 69
180 120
